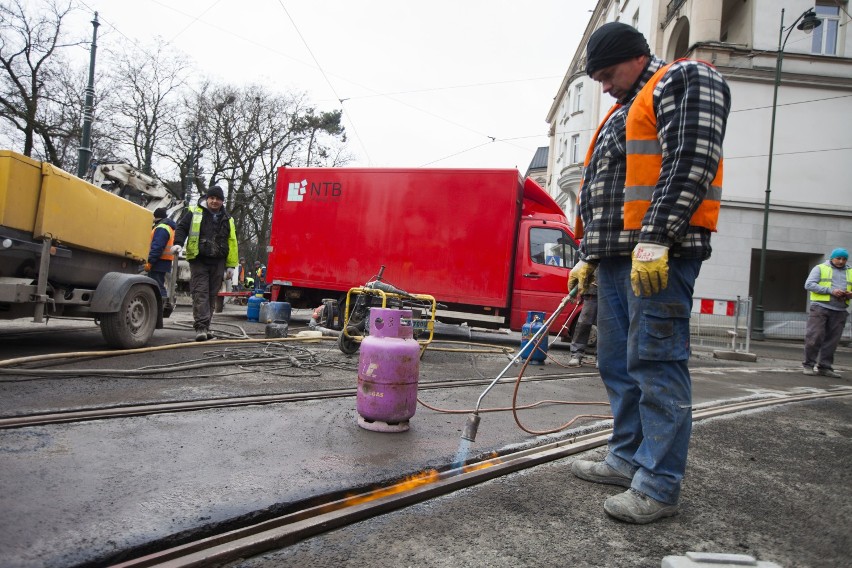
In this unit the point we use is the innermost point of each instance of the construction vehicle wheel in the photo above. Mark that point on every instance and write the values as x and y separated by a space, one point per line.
347 345
133 325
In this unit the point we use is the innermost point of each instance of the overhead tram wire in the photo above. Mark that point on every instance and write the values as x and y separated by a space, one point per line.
453 87
733 73
194 20
338 98
460 152
327 80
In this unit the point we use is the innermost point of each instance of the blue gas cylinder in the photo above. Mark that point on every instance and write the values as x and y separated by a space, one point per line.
388 371
274 312
534 323
253 311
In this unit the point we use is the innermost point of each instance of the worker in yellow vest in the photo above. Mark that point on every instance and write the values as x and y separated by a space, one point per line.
648 203
259 275
830 287
211 249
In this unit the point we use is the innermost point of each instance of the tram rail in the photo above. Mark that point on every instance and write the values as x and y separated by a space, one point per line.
291 528
147 409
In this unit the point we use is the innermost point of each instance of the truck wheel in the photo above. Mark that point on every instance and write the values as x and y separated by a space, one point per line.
133 325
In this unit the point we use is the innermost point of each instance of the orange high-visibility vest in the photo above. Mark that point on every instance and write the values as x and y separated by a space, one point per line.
578 221
645 161
167 251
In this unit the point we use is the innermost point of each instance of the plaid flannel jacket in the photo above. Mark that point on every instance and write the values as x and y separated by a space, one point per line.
692 103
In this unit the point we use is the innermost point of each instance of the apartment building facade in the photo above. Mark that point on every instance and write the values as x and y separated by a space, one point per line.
810 197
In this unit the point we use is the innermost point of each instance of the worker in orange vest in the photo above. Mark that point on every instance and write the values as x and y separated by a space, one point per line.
160 254
241 277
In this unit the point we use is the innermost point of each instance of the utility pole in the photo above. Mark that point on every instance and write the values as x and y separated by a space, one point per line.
190 170
84 154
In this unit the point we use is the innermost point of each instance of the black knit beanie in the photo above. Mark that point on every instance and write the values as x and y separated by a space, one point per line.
614 43
216 191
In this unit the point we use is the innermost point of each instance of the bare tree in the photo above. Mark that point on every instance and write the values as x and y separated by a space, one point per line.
144 102
239 137
34 101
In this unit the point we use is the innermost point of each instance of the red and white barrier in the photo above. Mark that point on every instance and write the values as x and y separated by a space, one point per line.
707 306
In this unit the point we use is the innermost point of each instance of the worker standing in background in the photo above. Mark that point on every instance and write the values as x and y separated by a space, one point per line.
160 254
259 275
583 330
211 249
647 206
241 274
830 287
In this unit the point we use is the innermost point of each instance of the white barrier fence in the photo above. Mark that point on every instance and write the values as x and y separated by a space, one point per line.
721 324
791 325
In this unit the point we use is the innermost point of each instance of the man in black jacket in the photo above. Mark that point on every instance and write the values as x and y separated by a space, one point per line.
211 246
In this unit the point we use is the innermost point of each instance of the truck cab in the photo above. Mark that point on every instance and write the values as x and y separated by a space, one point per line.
546 251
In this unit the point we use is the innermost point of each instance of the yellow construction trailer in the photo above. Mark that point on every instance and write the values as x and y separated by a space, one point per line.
70 248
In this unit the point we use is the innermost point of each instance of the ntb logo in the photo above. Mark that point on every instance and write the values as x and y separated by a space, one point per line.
316 191
296 190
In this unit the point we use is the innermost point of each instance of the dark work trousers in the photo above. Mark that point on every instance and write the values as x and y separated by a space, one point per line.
587 318
822 334
204 283
160 279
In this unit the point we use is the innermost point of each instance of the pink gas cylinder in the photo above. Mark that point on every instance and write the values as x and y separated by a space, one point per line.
388 370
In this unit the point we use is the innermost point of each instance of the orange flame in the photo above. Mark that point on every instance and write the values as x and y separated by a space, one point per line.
409 483
493 459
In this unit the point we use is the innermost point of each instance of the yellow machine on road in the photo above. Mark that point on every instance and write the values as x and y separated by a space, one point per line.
69 248
380 294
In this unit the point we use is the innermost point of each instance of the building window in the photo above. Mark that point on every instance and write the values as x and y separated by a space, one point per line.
825 36
636 19
575 149
578 97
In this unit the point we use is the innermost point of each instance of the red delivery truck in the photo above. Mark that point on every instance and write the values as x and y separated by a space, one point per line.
487 244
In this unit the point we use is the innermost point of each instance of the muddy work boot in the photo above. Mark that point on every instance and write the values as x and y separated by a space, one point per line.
599 472
828 373
635 507
210 335
201 334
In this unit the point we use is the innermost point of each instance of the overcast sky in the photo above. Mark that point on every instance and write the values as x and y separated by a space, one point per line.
422 83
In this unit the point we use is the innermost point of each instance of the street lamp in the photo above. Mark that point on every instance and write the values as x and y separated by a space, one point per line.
809 21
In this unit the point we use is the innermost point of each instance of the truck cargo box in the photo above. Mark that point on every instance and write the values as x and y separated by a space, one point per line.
447 233
485 242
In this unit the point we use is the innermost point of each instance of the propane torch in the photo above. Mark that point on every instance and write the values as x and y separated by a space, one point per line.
472 423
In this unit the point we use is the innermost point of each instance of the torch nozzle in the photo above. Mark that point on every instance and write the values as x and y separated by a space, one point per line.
470 428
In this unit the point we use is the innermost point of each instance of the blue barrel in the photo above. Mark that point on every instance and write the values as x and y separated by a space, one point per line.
535 321
388 371
253 311
275 312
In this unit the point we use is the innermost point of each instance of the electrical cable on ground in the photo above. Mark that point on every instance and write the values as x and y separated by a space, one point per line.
278 358
514 408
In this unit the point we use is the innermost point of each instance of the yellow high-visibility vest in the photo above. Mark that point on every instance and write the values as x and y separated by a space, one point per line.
825 274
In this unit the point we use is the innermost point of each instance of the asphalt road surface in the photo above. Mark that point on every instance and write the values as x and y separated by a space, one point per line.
773 483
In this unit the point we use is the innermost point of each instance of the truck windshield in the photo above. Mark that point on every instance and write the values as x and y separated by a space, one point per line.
552 247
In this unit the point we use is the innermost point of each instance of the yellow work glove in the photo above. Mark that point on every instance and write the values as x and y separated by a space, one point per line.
147 267
581 276
650 271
